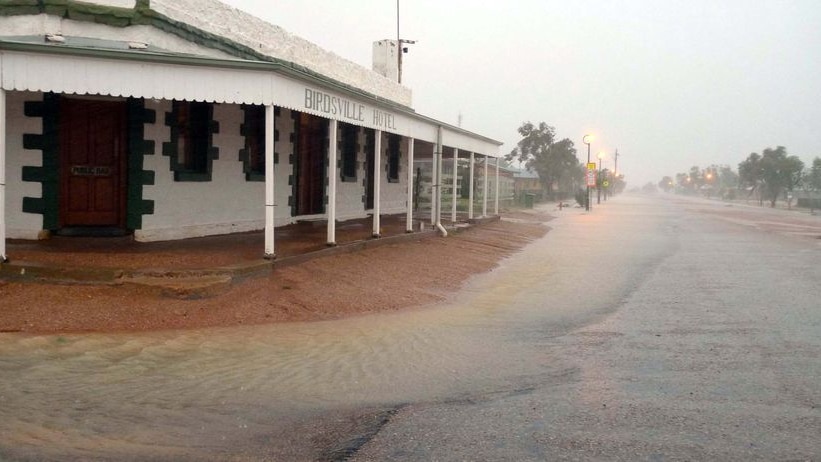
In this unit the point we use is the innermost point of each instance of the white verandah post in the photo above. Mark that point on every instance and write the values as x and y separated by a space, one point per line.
3 256
377 180
470 191
269 182
496 205
434 180
333 126
484 191
409 218
455 180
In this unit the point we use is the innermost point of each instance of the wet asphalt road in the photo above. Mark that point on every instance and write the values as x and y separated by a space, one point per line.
674 334
652 328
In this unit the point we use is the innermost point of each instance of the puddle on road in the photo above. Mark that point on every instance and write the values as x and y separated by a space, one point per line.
153 392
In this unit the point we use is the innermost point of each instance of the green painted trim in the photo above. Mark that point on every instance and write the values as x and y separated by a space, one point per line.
192 177
137 178
170 148
48 175
293 180
255 177
348 149
16 8
32 141
391 157
249 111
33 109
370 146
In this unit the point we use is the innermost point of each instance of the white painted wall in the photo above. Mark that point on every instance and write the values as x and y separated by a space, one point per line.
349 195
386 59
226 204
394 195
283 170
21 225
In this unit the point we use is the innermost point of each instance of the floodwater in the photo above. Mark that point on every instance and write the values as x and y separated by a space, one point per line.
206 393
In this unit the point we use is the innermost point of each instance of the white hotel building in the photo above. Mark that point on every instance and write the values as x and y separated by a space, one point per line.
169 119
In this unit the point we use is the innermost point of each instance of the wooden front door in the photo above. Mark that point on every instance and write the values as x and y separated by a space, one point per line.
311 152
93 146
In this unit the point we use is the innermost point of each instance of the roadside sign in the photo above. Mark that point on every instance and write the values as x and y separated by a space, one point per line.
605 183
591 166
591 178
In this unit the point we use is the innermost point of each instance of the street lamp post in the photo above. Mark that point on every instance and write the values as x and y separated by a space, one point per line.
599 180
615 170
586 140
616 164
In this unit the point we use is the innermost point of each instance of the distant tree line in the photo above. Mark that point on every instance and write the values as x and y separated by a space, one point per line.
767 176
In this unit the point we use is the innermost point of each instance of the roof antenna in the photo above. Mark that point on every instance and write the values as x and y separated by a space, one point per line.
399 45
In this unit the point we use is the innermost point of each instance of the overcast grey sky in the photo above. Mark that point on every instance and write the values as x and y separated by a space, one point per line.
670 84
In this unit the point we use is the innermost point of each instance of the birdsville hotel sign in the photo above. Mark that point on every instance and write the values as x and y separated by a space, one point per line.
346 110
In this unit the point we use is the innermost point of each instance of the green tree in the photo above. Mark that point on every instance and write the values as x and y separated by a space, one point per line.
814 175
666 184
773 171
710 180
684 183
554 161
750 173
727 182
727 177
811 183
689 182
696 177
618 184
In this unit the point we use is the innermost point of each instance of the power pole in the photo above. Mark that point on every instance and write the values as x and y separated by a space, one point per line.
616 166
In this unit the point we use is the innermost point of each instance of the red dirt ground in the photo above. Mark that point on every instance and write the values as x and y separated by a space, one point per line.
394 277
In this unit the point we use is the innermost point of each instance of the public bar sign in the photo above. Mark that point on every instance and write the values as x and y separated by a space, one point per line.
591 174
90 170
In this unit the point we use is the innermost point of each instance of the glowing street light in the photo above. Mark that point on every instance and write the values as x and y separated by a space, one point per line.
586 140
598 183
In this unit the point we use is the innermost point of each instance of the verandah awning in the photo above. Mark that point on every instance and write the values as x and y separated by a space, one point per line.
59 69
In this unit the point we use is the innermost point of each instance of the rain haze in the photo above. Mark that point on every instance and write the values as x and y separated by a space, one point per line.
670 85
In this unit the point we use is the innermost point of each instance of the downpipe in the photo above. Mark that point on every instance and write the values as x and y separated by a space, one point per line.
442 230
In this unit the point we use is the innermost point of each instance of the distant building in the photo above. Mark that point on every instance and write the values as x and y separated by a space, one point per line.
527 182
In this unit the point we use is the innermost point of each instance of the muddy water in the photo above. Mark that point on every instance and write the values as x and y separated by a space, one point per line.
176 395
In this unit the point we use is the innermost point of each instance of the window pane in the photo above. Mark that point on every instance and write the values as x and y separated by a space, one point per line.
349 144
255 138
